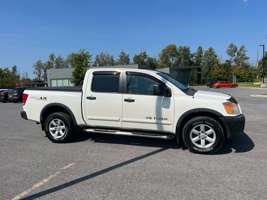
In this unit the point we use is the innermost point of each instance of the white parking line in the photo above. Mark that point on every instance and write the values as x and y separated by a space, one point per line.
41 183
259 95
68 166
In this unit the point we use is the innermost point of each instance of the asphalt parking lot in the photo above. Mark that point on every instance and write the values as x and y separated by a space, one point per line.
119 168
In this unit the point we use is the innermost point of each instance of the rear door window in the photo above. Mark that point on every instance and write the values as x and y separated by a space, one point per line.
107 82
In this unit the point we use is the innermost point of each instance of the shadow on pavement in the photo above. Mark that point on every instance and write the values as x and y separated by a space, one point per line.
239 144
92 175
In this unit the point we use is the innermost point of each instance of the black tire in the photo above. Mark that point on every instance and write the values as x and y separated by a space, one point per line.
212 126
68 131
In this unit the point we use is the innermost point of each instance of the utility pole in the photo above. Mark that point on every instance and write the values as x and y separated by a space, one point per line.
263 55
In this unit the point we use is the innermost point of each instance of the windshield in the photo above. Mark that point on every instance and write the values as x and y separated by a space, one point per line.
173 81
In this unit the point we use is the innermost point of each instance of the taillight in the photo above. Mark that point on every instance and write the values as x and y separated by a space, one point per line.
24 98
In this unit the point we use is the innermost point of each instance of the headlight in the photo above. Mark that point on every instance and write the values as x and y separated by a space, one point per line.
231 108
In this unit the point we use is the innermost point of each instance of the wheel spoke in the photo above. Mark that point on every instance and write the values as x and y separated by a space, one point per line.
209 132
209 139
202 142
195 131
53 123
62 132
195 139
57 122
202 127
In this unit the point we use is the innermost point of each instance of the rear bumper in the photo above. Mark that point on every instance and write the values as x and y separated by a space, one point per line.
234 125
23 115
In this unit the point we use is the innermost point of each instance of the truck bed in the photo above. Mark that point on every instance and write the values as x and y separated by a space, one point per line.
39 98
63 89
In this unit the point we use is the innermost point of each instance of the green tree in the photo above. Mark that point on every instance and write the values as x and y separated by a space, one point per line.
184 57
196 60
198 56
169 56
124 58
151 63
144 61
210 59
221 72
14 70
104 59
262 68
241 58
38 69
231 52
244 74
140 59
80 62
60 63
8 77
51 63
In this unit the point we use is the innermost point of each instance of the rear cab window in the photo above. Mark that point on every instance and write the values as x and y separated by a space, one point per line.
106 82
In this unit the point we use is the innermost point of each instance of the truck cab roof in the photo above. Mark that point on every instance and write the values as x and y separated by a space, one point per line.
148 71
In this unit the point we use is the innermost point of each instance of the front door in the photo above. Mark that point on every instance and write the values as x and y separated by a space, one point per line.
142 107
103 100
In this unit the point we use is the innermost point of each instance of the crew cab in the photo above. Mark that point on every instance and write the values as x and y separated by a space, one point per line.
136 102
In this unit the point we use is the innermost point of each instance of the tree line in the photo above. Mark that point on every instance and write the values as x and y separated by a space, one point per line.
9 77
212 67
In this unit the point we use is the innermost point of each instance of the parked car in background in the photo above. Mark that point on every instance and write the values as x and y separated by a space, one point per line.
4 95
217 84
210 83
10 94
15 95
1 96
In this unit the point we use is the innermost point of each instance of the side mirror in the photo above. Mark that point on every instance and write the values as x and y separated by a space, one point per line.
168 92
161 90
157 90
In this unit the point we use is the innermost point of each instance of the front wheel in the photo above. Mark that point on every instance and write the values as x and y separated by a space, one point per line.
203 135
59 127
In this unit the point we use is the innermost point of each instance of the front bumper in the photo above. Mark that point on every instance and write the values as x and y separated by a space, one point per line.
23 114
233 125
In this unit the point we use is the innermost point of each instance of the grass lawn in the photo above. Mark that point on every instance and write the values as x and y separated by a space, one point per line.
249 84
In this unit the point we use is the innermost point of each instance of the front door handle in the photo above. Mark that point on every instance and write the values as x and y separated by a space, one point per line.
129 100
91 98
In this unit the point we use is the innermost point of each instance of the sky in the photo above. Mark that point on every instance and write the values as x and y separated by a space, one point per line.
31 30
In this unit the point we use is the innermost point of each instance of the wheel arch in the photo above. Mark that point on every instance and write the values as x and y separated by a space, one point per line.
195 113
55 107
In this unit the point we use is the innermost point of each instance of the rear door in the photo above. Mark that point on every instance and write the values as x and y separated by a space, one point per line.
142 108
103 99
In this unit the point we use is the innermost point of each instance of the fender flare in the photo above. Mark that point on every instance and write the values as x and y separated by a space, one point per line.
61 106
195 112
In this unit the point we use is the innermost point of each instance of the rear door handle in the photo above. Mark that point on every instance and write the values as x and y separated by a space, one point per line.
91 98
129 100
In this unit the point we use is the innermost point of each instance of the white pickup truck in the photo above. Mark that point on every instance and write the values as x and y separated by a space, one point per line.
136 102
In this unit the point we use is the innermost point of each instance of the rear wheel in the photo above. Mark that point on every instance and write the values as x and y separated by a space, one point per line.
203 135
59 127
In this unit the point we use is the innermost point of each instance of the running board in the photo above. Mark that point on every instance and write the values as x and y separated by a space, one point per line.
165 136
